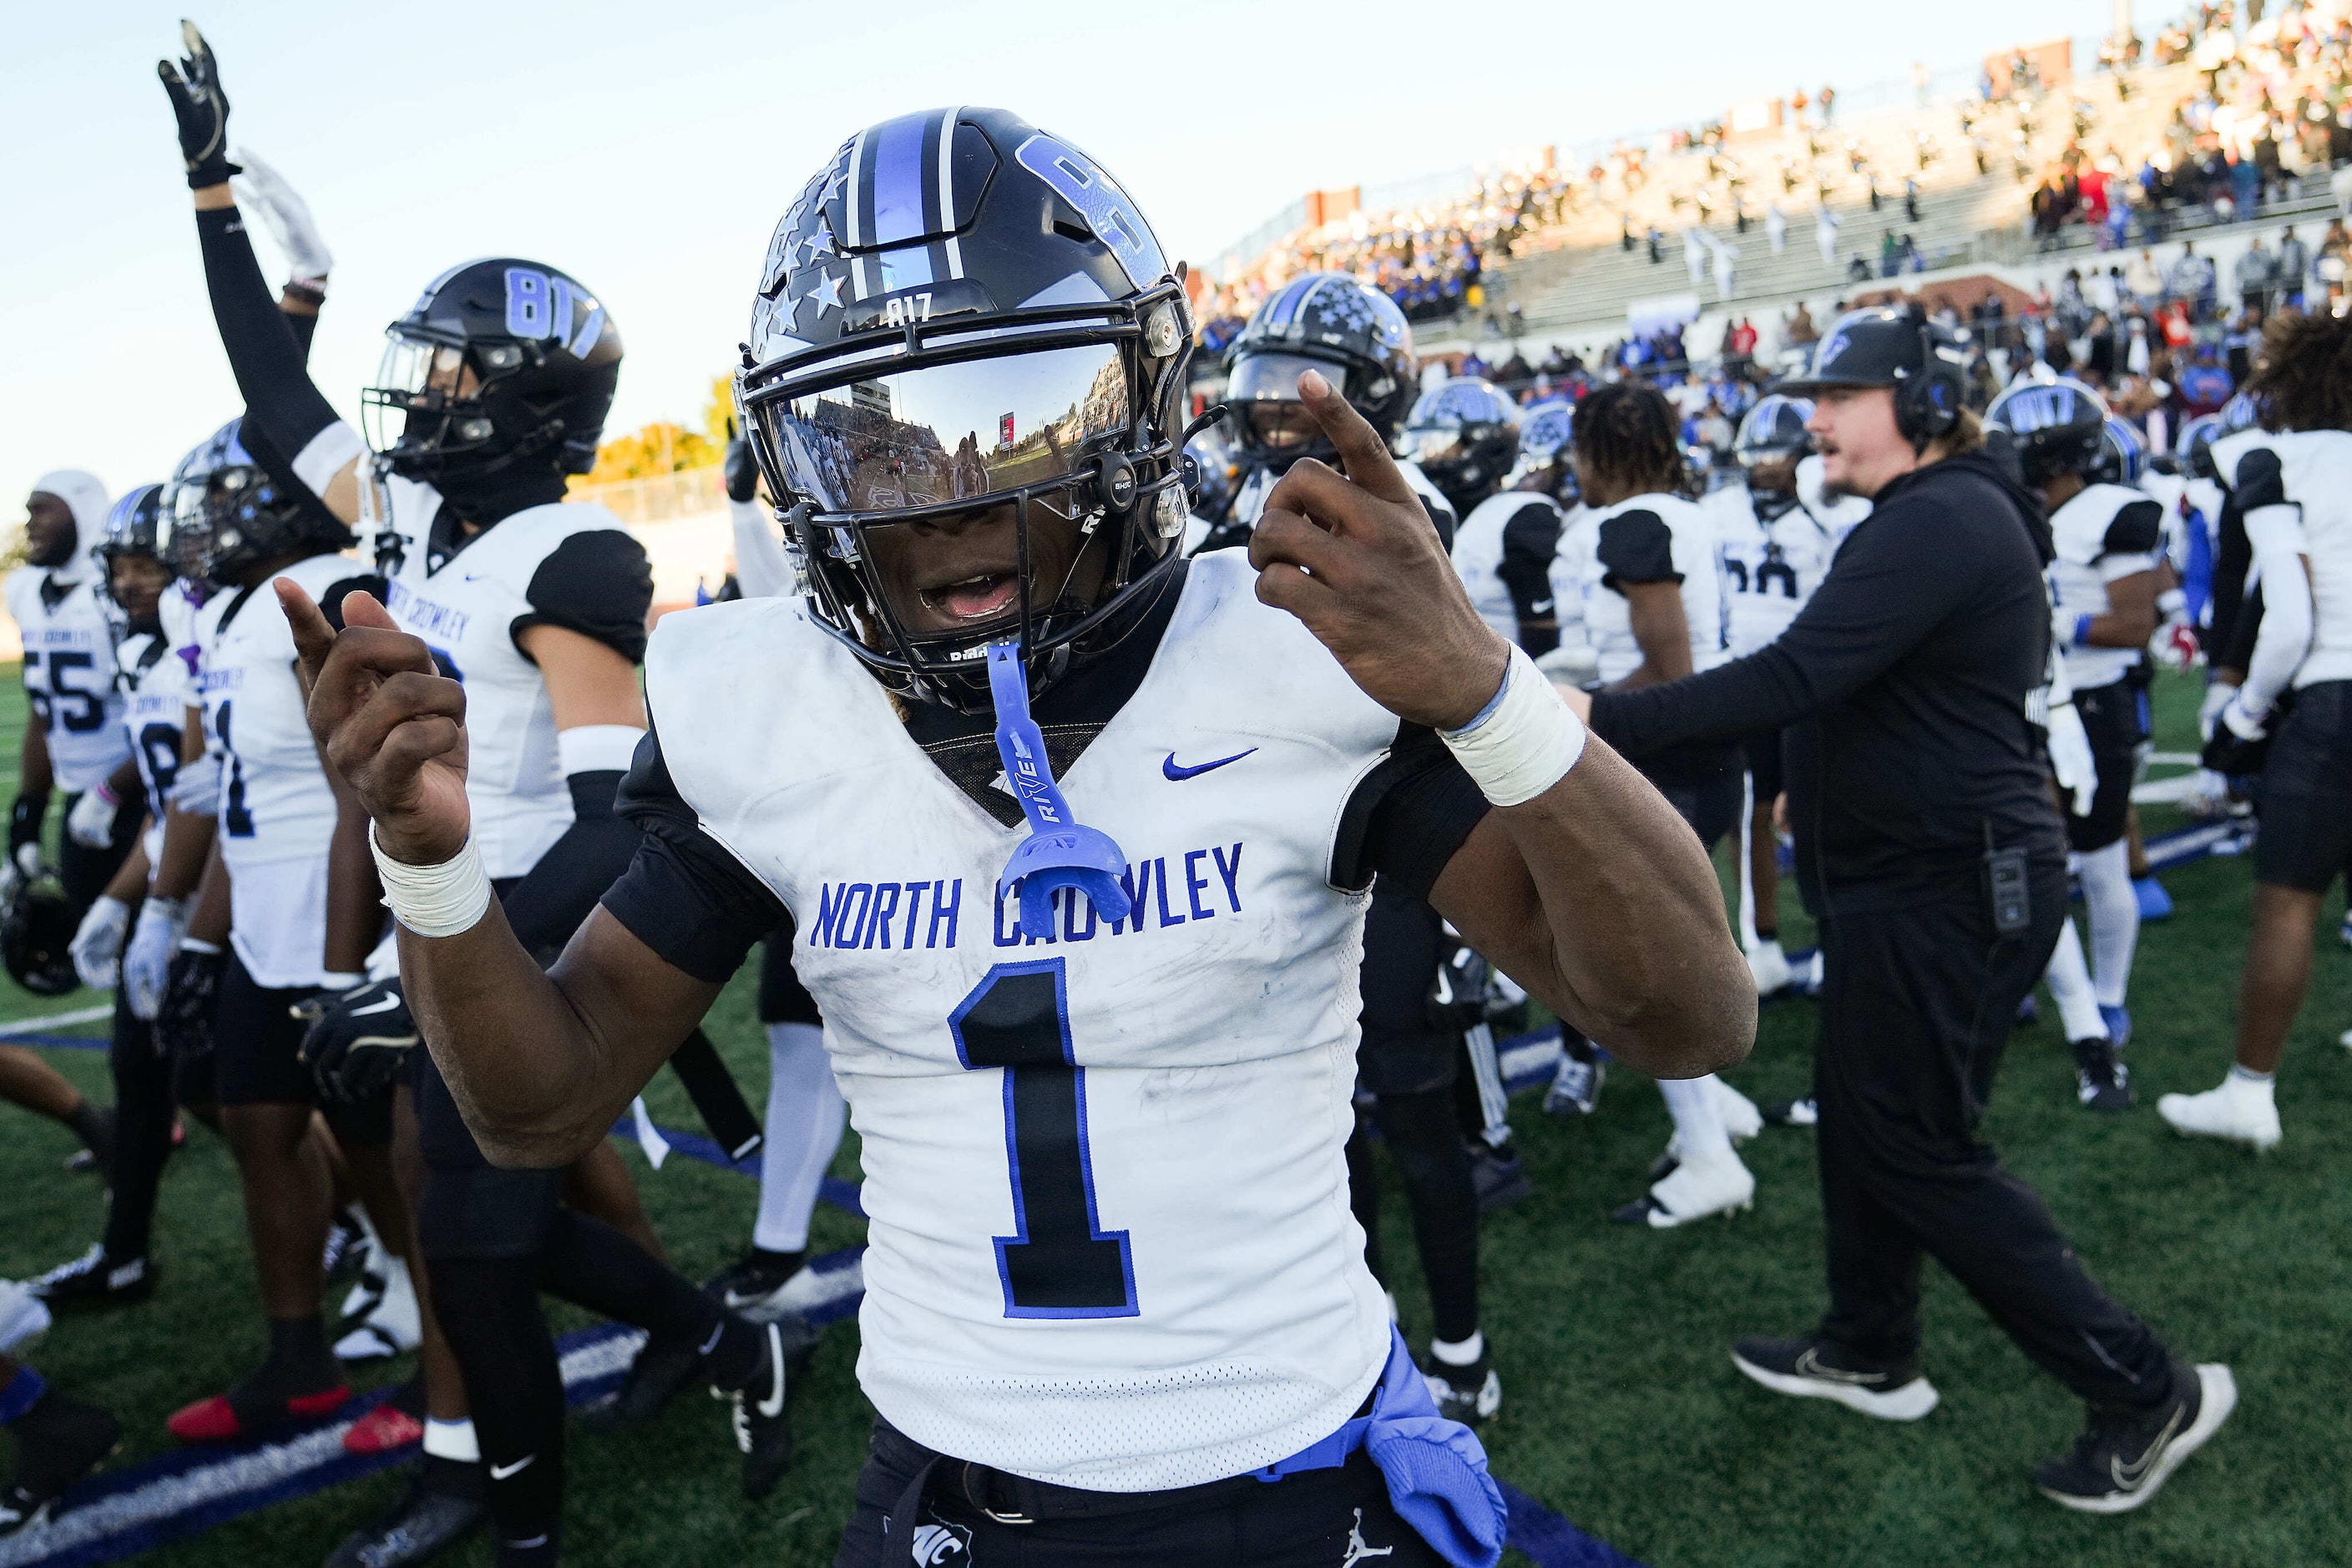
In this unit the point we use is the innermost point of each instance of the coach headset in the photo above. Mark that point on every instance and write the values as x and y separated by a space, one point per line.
1897 347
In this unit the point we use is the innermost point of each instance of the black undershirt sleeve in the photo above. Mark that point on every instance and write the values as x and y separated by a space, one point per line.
1408 818
269 366
304 325
598 583
684 895
1530 540
555 895
1884 595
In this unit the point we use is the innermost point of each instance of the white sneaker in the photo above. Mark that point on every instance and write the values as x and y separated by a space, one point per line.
395 1327
1691 1191
1770 967
2224 1112
23 1315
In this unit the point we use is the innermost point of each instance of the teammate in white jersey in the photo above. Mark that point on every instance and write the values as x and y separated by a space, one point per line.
76 744
1776 547
2293 483
1504 546
1109 1251
2103 590
493 392
1655 609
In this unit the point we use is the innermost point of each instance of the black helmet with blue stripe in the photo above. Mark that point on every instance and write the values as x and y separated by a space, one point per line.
963 318
1333 324
1774 429
1464 435
2123 456
224 512
2057 427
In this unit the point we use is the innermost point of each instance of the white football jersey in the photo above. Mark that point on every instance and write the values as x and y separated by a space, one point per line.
1259 482
1478 555
1110 1242
157 686
2316 473
69 670
1838 513
2105 532
277 812
467 609
1771 565
1653 536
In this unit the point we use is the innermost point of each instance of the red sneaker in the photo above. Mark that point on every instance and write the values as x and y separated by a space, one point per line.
383 1429
227 1418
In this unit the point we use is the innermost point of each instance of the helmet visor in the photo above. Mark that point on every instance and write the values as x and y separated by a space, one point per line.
1264 390
943 434
1435 446
416 384
204 517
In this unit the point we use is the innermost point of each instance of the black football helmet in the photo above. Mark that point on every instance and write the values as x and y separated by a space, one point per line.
499 362
963 314
135 525
223 512
1464 435
36 932
1326 321
2123 456
2194 455
1547 452
1774 429
2057 427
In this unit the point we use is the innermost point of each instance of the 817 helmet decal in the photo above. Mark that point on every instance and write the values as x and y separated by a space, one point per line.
498 362
2058 426
964 319
224 510
1324 322
1774 429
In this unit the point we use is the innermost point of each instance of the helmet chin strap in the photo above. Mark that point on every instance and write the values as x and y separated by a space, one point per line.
1060 851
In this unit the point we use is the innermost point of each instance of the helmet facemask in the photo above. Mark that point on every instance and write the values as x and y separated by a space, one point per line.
445 410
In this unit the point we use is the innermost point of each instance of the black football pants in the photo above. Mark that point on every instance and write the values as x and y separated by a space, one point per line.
1918 999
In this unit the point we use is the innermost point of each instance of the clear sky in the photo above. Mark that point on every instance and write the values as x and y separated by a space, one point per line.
649 149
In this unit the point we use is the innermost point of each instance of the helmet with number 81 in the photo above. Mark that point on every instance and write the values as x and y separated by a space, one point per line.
965 384
500 366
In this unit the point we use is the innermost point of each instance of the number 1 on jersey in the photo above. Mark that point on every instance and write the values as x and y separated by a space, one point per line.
1059 1262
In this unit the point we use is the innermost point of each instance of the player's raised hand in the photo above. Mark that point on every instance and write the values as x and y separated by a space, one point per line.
388 722
1354 557
194 89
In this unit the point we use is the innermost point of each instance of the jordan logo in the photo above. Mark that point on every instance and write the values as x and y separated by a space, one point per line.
1357 1550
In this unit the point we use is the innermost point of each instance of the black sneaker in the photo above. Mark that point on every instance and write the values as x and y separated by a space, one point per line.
763 1416
1465 1393
59 1442
1499 1177
347 1249
2119 1462
1790 1113
1816 1367
663 1366
94 1280
1575 1087
761 1284
2101 1082
441 1505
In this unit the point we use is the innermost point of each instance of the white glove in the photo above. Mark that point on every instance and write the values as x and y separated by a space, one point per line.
2208 713
99 942
2242 721
263 191
147 962
195 790
2071 758
19 868
90 822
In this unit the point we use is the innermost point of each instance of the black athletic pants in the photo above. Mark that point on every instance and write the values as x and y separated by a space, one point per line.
84 872
144 1102
1917 1003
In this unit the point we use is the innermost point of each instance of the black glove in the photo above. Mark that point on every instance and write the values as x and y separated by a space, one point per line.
742 470
194 90
184 1023
358 1041
2233 756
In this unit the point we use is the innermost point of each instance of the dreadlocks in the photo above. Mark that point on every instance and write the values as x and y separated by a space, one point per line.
1629 434
2302 380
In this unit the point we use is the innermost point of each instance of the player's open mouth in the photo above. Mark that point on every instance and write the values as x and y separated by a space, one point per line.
976 599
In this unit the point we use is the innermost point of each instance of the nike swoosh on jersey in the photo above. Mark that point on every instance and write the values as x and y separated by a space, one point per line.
500 1472
1175 774
380 1005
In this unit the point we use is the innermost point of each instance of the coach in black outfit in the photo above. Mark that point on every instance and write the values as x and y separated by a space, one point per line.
1942 861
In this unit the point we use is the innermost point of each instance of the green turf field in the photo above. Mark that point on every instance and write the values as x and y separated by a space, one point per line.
1621 1410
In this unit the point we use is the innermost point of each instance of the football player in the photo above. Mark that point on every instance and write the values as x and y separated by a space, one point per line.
77 744
2103 590
1652 595
2291 719
1504 546
1112 1287
155 684
492 395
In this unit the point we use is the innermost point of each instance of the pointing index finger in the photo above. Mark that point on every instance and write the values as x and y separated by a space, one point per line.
1362 451
314 639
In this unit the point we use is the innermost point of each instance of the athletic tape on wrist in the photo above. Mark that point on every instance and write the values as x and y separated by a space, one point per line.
434 901
1522 742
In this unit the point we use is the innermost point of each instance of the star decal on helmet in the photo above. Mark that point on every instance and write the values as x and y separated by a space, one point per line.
827 292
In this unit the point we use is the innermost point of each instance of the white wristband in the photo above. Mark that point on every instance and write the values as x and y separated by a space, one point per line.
1522 742
597 748
434 900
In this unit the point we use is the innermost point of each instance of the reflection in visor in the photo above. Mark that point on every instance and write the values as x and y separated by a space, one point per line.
1433 446
953 432
1273 378
416 380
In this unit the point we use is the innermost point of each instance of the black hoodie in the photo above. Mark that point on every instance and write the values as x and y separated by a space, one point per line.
1914 659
